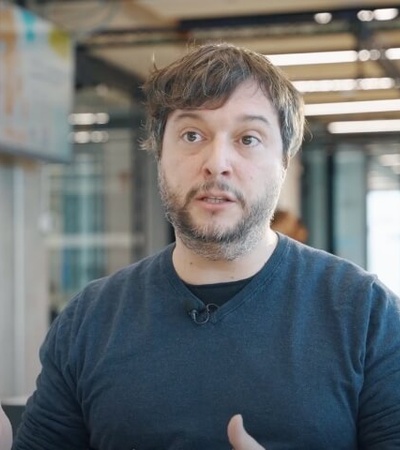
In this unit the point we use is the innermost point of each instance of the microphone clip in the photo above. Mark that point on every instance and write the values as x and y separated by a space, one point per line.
202 317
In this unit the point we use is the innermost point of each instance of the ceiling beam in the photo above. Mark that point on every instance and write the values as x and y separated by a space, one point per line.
91 71
228 28
366 38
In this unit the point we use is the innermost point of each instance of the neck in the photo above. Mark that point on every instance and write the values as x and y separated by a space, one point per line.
196 269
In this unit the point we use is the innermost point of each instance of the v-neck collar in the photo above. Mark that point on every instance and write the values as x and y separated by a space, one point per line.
260 280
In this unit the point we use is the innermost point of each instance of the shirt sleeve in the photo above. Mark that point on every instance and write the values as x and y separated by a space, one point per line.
5 431
53 418
379 407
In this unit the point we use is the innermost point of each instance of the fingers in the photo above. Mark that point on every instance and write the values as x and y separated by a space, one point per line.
238 436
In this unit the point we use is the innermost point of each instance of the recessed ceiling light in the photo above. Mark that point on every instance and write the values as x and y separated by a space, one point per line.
364 126
345 84
326 109
332 57
386 13
365 15
297 59
323 17
99 118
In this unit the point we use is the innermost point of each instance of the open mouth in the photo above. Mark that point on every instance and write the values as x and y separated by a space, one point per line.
216 197
215 200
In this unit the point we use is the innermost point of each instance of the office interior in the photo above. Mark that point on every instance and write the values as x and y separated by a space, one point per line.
83 201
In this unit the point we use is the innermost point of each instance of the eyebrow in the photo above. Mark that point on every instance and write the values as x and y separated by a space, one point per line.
251 118
242 118
186 115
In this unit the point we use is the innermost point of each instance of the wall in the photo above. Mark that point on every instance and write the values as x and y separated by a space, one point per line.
23 276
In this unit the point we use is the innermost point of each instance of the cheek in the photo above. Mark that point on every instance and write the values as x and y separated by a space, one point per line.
273 168
175 177
180 171
263 175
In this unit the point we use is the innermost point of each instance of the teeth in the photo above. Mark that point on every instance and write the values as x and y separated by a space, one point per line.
214 199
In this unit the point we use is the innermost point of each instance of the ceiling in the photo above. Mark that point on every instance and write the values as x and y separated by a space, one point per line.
129 35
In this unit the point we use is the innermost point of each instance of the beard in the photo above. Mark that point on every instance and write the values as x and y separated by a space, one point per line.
216 241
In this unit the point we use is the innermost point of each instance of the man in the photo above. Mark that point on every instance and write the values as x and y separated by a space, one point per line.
233 322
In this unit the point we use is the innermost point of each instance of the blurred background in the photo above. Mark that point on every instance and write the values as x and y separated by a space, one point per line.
78 198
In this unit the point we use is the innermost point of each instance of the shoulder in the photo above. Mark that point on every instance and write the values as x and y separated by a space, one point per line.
101 301
340 293
330 276
123 282
319 262
134 275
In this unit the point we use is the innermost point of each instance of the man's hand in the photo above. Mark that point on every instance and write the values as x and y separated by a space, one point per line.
238 436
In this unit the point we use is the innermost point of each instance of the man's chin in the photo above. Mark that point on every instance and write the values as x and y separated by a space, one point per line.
218 248
213 226
214 235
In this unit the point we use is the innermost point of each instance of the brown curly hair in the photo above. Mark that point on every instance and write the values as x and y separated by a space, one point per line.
206 77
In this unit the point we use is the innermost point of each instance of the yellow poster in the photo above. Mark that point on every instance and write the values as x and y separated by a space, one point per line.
36 85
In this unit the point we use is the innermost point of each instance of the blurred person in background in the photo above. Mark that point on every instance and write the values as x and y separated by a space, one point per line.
233 322
5 431
286 222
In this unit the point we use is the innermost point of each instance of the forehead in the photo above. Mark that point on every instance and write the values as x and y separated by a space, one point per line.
248 102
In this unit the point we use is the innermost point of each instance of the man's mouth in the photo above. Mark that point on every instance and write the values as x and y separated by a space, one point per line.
215 200
215 197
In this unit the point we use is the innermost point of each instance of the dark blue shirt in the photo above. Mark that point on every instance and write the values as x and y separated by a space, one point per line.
308 352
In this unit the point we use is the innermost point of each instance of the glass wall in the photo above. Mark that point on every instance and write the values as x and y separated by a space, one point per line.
101 206
91 206
383 213
351 201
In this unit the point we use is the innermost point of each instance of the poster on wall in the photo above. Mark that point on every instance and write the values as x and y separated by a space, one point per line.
36 86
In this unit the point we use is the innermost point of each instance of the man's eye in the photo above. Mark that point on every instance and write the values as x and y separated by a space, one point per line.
191 136
250 140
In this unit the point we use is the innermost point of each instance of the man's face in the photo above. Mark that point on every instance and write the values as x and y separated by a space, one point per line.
220 173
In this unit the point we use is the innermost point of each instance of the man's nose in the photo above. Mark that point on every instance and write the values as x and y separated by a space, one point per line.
218 158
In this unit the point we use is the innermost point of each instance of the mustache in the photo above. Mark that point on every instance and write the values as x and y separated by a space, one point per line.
222 186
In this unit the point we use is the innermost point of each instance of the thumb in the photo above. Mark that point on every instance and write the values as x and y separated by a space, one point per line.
238 436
